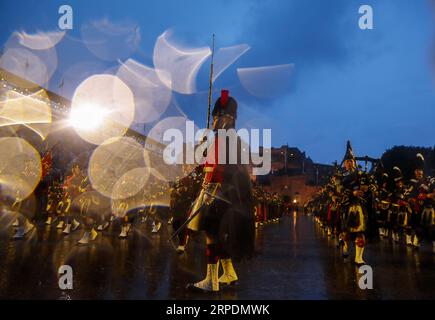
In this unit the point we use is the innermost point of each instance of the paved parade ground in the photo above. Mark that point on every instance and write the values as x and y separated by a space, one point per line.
295 260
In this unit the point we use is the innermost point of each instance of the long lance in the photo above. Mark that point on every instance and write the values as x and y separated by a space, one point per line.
210 88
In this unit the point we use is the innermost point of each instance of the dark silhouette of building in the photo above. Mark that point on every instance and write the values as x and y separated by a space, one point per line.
294 174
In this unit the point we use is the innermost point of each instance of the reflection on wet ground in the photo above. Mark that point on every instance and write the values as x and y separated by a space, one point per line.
295 260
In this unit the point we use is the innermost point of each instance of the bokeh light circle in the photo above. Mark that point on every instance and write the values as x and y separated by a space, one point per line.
156 189
178 66
162 161
110 164
90 204
130 183
20 168
155 192
102 108
35 66
268 81
40 40
25 64
109 40
151 96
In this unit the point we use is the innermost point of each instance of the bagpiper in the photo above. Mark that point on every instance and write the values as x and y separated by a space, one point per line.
23 206
90 210
399 206
71 191
55 195
421 194
383 205
353 217
333 209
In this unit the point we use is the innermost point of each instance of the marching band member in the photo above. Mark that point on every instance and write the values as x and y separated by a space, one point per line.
71 191
399 206
383 205
55 195
421 193
89 212
23 207
353 216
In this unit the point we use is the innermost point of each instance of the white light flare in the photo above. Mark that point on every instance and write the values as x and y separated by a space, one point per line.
102 102
88 117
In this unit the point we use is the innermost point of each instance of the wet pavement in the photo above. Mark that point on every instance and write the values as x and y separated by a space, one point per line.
295 260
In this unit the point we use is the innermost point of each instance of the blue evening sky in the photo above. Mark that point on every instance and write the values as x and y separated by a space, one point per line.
374 87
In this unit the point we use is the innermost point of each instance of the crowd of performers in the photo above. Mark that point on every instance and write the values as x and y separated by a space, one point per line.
68 202
215 199
356 205
269 207
56 193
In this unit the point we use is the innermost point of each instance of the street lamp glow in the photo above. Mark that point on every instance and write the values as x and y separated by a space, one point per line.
294 201
87 117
